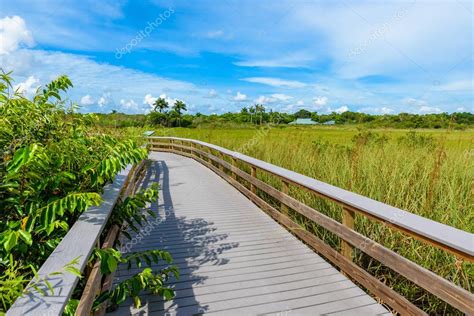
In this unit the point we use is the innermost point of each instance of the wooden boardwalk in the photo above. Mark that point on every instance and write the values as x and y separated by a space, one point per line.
233 258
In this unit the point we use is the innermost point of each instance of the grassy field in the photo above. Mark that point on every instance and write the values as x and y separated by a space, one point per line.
427 172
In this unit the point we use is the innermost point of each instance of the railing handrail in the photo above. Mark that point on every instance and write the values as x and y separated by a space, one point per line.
78 244
451 238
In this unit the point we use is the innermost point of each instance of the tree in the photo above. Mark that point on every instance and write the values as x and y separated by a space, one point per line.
243 115
252 111
303 114
178 107
259 108
160 104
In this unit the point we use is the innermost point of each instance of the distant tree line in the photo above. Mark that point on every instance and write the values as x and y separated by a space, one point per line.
175 116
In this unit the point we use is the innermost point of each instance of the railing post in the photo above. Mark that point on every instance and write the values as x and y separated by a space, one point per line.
193 147
208 151
171 145
234 164
221 156
348 218
285 188
253 173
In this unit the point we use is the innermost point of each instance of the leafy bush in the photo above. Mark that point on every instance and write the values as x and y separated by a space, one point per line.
147 279
52 167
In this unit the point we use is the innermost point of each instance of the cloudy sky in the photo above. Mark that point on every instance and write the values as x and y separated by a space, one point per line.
218 56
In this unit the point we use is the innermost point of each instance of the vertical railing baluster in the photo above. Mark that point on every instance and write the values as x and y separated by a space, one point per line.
221 156
348 218
285 188
253 173
234 164
193 149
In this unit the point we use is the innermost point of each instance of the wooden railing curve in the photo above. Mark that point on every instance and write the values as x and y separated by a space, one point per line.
78 243
456 241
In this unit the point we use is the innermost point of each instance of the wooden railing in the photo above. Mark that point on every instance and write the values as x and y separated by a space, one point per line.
78 244
229 165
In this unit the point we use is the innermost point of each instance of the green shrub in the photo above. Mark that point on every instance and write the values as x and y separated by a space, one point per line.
52 167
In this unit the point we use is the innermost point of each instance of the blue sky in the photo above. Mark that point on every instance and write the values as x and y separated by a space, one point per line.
218 56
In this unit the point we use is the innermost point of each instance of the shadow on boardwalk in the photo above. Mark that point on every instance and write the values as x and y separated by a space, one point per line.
191 243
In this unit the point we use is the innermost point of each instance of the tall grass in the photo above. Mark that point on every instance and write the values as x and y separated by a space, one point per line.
427 173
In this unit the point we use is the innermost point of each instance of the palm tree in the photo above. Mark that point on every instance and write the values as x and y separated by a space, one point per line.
160 104
178 107
259 108
252 111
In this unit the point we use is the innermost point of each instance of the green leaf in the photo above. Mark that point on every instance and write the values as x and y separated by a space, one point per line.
73 270
47 216
137 302
10 241
21 157
168 294
50 287
121 295
112 264
26 237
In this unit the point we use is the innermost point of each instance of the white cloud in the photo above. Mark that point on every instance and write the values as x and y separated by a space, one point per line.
382 110
28 87
169 100
212 93
414 102
281 97
264 100
461 85
290 61
273 98
276 82
320 102
385 110
372 37
428 109
300 103
461 109
104 100
13 33
149 99
341 109
87 100
88 78
419 106
240 97
130 104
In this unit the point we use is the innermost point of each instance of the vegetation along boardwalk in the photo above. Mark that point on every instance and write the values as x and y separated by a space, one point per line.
234 259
